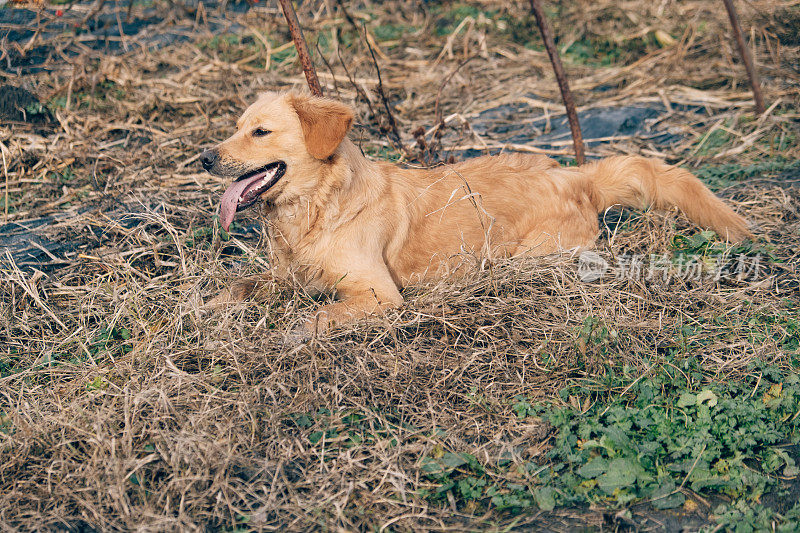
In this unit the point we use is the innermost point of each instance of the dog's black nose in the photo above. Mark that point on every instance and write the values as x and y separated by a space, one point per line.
208 158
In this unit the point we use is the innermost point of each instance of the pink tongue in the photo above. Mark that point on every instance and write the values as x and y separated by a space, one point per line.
230 200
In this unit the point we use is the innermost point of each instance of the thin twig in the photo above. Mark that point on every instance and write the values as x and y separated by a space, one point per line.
349 18
437 111
94 12
5 173
328 65
436 141
355 85
395 134
384 99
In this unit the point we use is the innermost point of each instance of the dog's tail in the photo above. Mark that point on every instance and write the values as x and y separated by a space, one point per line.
638 182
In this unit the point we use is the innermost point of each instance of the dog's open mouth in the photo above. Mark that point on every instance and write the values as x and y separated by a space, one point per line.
246 189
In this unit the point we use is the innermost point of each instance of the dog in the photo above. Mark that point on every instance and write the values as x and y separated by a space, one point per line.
364 229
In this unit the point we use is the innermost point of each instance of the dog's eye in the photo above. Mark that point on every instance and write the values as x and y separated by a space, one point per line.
261 132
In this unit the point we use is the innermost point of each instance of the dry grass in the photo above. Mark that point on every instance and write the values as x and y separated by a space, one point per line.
124 406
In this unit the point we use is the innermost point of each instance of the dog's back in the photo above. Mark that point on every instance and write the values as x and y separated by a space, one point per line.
526 203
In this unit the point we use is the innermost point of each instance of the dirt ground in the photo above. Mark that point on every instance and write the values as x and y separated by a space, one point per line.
123 405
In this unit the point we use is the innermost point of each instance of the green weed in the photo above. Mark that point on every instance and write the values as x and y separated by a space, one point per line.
672 430
98 383
720 176
596 334
5 423
390 32
385 153
344 430
707 251
447 20
13 199
605 52
111 341
713 142
743 517
98 98
235 47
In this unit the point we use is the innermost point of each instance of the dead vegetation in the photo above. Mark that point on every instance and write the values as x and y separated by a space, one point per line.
124 406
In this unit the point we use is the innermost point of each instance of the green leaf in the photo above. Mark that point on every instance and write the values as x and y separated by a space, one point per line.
98 383
316 436
448 462
791 471
453 460
706 395
621 473
708 235
545 498
593 468
618 438
687 399
666 497
430 466
303 421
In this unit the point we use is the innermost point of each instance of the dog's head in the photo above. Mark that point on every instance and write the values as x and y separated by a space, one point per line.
278 151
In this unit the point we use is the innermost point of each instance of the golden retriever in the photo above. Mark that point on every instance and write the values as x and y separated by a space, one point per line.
364 229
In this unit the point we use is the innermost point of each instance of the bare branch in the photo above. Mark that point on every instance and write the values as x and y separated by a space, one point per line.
561 77
747 57
300 45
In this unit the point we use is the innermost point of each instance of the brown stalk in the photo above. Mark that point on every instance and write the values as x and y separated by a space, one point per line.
747 57
302 48
561 77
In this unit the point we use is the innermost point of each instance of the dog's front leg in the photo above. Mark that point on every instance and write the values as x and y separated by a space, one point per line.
360 294
349 310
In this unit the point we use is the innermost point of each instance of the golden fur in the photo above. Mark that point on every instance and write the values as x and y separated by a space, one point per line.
365 229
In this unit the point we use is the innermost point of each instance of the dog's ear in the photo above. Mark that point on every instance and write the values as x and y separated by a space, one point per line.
325 123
